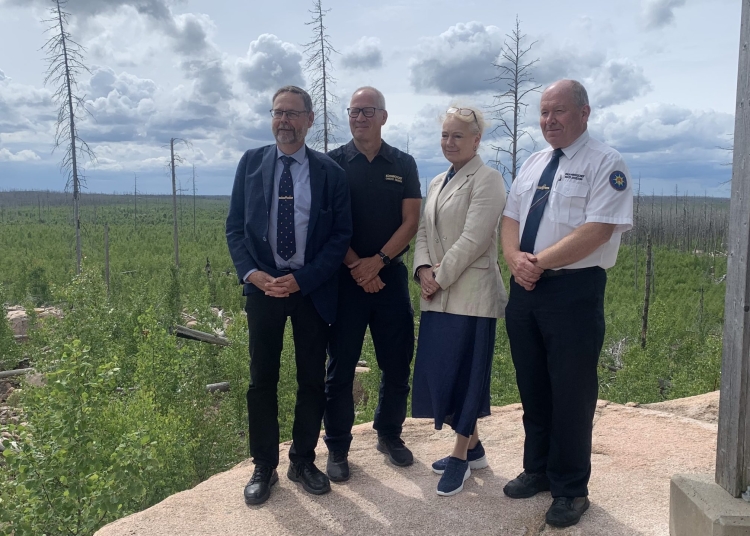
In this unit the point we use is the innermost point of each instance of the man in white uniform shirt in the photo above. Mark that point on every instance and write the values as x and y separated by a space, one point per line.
561 229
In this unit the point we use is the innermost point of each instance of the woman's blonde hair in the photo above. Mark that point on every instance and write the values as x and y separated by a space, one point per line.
475 119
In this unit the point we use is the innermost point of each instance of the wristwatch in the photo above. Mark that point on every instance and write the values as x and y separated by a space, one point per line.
385 258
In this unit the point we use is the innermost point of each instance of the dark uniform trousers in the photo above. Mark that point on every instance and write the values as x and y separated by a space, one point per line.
266 320
556 332
391 319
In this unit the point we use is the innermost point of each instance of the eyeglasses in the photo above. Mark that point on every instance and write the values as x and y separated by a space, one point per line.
369 111
290 114
466 112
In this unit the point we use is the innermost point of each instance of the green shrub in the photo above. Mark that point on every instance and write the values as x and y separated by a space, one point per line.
71 470
9 350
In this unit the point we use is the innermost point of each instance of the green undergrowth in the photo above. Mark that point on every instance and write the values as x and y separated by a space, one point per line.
123 418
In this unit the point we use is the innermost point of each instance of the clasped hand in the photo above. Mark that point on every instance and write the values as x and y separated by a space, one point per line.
365 273
276 287
524 268
427 281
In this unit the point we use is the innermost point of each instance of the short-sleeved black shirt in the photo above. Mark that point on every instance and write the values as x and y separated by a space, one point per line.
377 190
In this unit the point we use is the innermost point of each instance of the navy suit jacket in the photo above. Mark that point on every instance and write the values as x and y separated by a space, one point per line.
328 233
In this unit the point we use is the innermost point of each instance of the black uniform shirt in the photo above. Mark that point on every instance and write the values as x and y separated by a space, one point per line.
377 190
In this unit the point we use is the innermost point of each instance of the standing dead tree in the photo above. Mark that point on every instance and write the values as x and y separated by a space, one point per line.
193 201
646 294
135 200
174 160
516 82
318 67
64 66
730 149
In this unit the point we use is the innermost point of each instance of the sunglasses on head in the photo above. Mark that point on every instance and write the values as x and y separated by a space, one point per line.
466 112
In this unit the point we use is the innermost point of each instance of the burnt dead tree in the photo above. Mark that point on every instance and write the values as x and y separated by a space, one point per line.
174 161
64 66
516 81
318 67
646 294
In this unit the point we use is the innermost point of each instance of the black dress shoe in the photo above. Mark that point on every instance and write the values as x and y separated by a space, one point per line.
338 466
396 450
526 485
312 478
566 511
259 487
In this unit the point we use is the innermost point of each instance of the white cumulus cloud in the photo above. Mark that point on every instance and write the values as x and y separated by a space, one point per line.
270 63
615 82
458 61
24 155
365 54
656 14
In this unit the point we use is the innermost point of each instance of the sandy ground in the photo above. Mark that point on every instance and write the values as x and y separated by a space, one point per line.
635 453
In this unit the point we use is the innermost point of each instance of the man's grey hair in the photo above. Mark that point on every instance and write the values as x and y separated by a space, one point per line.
379 98
580 96
297 91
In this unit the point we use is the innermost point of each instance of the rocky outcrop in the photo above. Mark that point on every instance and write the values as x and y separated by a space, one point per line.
19 318
701 407
635 452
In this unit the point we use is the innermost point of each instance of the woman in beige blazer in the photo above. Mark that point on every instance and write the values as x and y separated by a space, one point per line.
455 262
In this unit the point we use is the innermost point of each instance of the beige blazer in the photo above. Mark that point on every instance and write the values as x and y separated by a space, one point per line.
459 231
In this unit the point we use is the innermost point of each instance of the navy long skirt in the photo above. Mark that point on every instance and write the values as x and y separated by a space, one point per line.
452 370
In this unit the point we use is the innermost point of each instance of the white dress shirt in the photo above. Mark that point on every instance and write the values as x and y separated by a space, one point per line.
592 184
300 170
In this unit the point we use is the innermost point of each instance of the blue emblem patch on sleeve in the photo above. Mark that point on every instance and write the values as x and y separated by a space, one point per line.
618 181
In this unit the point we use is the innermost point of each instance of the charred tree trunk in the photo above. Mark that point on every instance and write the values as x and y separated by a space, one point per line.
646 294
174 205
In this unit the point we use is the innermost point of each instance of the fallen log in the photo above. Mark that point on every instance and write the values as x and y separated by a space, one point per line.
221 387
15 372
195 335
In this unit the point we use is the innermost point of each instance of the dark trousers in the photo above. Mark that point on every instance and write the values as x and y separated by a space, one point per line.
556 332
391 319
266 320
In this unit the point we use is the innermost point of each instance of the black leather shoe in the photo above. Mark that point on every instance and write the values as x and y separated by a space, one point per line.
312 478
566 511
396 450
338 466
526 485
259 487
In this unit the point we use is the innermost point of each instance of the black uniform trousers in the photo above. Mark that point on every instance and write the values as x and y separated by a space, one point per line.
391 319
266 320
556 332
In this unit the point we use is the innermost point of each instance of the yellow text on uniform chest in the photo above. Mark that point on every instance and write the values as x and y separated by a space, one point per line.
567 197
394 178
567 201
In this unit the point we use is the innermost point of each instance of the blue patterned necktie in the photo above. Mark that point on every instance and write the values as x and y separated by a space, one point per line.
448 176
285 243
530 230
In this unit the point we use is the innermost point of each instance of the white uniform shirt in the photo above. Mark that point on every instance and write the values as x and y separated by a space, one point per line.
592 184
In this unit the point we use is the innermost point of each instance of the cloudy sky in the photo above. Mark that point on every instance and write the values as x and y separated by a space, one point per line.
661 76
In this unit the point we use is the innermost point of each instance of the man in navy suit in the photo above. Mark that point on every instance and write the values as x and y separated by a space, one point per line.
288 230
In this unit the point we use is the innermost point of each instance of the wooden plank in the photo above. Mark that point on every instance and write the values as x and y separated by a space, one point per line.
16 372
195 335
21 338
733 443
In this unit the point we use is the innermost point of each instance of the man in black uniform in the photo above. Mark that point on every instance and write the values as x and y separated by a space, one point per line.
373 284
